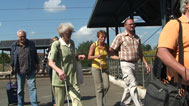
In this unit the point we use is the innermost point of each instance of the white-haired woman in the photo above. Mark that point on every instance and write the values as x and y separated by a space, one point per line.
168 49
62 59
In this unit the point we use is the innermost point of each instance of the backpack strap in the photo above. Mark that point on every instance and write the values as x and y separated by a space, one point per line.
95 43
159 68
180 41
60 53
105 45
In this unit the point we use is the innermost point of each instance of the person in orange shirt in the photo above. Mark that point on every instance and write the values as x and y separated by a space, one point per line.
168 49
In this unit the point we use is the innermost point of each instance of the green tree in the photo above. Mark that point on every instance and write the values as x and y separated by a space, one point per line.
146 47
6 58
83 48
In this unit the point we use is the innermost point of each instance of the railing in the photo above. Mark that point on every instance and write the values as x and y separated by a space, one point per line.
142 76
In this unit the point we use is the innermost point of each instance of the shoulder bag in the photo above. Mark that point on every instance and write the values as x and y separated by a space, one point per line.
160 94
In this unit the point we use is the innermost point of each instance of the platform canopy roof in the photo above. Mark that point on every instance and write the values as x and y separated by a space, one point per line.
112 13
39 43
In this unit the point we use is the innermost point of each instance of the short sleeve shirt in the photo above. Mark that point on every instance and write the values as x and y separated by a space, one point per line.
127 46
169 39
64 58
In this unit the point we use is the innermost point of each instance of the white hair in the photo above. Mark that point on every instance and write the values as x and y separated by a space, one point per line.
63 27
183 4
21 31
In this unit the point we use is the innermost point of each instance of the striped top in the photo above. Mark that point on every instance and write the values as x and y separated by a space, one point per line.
128 47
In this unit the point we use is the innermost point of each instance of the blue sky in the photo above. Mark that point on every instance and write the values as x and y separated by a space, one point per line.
35 17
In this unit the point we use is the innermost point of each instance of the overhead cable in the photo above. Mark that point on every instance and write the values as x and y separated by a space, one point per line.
152 35
10 9
44 19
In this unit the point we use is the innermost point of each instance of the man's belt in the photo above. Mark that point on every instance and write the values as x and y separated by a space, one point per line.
128 61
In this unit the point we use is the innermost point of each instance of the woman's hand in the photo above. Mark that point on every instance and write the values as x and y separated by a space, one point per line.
62 75
60 72
81 57
98 56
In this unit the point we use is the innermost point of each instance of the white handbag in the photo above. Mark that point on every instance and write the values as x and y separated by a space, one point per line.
79 73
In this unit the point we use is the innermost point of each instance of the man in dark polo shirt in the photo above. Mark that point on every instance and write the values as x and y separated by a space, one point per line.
25 63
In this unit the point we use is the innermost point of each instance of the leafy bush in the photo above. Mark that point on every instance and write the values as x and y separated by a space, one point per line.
7 67
6 58
83 48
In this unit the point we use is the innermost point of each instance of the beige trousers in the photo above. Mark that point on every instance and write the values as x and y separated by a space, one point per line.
102 84
130 91
60 95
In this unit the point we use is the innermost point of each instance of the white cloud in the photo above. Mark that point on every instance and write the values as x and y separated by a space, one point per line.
54 6
33 33
85 34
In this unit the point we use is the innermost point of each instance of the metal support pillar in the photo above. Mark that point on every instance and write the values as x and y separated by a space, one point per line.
118 62
3 60
44 52
163 12
116 30
143 79
107 32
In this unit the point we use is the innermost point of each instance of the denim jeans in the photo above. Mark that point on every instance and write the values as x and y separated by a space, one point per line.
21 78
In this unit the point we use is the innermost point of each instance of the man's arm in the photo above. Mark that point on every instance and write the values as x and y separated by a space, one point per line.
146 64
36 60
165 55
115 47
12 60
113 54
141 56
